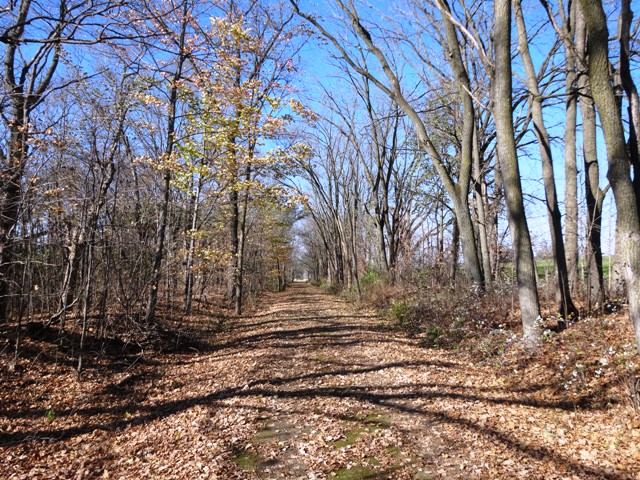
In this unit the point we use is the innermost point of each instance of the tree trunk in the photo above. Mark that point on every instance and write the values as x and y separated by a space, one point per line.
10 191
455 248
166 192
241 238
563 296
234 221
191 246
461 202
594 194
618 173
480 192
633 105
152 300
507 156
570 162
86 304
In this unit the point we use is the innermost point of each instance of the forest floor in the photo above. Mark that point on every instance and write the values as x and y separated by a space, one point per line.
309 387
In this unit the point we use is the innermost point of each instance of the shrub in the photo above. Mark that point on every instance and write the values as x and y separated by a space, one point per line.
444 318
329 287
370 278
399 311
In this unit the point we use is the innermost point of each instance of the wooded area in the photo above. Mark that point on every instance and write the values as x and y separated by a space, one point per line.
167 165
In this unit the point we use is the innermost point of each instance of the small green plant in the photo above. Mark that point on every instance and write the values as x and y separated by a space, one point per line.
547 335
177 384
357 472
369 278
247 460
50 415
330 287
399 311
432 337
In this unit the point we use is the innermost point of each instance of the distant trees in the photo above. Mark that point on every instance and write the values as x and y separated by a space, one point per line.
388 81
456 178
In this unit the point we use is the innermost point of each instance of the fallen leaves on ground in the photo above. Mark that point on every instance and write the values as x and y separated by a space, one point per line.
312 388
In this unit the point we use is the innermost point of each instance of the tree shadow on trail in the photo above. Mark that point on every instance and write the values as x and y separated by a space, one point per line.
296 317
402 401
330 332
128 409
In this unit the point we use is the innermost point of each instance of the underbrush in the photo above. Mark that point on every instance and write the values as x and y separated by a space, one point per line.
117 339
592 363
445 318
328 287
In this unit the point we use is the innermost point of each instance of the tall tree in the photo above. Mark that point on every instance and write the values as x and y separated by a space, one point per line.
566 30
245 101
507 156
175 41
619 171
563 295
594 194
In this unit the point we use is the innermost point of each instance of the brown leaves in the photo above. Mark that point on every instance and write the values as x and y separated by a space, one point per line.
309 388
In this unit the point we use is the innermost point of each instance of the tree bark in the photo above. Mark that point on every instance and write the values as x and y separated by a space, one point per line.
633 105
563 295
191 246
570 162
618 172
480 194
507 156
594 194
461 203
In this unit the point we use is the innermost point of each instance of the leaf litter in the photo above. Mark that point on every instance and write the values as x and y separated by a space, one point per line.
311 387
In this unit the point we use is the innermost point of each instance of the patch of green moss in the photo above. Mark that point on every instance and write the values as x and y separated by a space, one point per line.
359 472
265 435
351 437
371 423
394 452
422 476
377 419
247 460
327 334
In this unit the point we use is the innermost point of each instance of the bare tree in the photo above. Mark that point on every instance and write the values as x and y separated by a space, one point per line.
563 295
507 156
619 171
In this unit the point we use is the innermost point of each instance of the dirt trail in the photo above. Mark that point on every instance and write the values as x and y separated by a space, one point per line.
308 388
